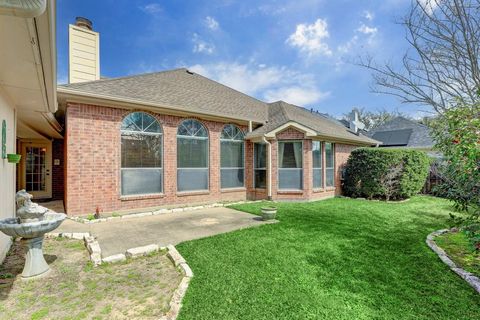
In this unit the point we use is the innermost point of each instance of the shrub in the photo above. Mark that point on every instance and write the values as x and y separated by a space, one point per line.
385 173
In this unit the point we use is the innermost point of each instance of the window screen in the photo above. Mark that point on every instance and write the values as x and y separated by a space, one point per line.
290 165
141 155
260 165
329 164
232 157
192 156
317 164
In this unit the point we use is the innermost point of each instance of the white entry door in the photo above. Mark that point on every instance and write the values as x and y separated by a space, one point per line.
37 168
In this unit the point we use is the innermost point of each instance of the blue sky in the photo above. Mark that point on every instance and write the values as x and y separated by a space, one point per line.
299 51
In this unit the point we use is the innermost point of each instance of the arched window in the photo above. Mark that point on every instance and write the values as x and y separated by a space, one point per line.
192 156
141 167
232 157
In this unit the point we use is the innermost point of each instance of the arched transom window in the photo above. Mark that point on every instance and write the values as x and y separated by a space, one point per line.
141 167
232 157
192 156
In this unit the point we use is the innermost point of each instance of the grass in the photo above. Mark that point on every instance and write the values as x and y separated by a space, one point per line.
74 289
460 250
332 259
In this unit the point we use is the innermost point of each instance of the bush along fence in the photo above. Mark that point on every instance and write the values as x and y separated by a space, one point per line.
390 174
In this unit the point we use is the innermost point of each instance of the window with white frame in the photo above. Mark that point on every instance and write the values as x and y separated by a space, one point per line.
317 164
290 165
192 156
232 157
141 155
260 165
329 164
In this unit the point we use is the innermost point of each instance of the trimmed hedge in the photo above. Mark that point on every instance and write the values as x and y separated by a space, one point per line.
367 168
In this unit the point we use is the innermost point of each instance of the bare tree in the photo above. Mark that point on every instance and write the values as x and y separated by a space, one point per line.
390 181
442 64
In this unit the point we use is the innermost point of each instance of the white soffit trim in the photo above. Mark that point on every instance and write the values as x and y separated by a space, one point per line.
22 8
308 132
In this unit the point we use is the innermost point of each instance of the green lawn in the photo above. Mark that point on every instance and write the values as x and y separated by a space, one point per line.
333 259
460 250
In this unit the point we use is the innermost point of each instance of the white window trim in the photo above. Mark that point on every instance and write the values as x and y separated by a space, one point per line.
330 168
279 169
318 168
160 134
199 168
260 168
244 159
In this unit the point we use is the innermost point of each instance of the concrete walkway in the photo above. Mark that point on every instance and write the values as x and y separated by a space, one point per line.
116 236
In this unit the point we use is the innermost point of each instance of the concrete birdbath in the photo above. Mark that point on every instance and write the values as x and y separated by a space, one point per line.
31 224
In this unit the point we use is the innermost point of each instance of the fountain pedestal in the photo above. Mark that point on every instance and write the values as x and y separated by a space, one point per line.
35 263
31 224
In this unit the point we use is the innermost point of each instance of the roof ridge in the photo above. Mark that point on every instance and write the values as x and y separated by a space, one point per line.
230 88
123 77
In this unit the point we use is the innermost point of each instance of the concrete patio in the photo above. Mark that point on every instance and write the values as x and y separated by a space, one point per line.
116 236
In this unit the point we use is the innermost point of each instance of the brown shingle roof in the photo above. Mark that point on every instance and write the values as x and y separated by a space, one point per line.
281 112
179 89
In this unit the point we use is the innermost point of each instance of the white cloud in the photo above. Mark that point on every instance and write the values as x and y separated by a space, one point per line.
211 23
151 8
429 5
368 15
367 30
268 83
271 9
346 47
300 96
310 38
201 46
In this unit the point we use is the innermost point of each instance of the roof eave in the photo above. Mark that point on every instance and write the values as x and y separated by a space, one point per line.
66 93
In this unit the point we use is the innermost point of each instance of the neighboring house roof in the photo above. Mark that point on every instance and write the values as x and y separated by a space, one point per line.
177 89
403 132
282 113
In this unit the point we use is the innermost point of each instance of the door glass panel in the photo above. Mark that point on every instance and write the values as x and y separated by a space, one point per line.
36 169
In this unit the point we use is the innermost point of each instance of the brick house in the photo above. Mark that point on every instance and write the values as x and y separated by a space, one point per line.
176 138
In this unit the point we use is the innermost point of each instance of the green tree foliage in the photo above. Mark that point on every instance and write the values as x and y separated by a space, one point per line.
385 173
457 136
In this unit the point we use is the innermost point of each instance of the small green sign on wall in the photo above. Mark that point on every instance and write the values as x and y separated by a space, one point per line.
4 139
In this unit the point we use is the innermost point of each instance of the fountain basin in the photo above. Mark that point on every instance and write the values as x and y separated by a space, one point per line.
32 234
29 230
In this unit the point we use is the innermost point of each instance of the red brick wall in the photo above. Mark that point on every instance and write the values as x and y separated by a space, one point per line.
58 186
342 152
93 150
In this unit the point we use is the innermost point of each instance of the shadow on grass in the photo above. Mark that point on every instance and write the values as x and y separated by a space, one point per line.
12 267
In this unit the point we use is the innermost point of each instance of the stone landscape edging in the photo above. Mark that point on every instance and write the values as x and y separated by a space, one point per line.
177 260
175 257
158 212
471 279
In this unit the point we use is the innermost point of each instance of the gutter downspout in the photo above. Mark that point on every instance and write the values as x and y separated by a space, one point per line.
269 167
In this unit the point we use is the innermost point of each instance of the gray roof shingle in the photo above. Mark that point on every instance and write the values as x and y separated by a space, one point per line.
179 89
281 112
183 90
420 136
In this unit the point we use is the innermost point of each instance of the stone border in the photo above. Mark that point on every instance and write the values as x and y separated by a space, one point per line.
471 279
159 211
178 261
92 245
